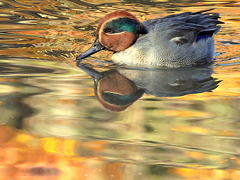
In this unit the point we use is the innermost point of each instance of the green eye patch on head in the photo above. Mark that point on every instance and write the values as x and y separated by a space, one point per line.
121 24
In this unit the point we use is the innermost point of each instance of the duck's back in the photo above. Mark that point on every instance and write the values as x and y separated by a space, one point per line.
173 41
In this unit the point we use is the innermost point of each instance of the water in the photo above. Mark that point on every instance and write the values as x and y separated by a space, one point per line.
53 126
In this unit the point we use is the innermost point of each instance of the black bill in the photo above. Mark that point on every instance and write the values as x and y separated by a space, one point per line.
93 49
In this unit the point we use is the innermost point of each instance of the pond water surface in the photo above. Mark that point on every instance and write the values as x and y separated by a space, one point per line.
53 126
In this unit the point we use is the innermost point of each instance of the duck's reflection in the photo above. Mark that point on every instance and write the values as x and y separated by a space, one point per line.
113 90
172 82
116 89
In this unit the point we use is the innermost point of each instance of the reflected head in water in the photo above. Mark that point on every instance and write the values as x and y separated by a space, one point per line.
114 91
179 40
119 88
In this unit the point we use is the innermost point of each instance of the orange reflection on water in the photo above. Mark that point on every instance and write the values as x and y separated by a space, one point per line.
205 174
25 157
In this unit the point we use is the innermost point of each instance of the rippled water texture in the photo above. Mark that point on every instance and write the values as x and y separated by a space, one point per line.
53 126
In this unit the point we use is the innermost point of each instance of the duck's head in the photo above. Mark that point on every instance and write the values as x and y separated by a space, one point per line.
115 32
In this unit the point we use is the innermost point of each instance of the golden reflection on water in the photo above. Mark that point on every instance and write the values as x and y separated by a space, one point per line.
30 157
24 157
67 135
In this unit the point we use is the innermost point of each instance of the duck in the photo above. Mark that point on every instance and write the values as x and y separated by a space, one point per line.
177 40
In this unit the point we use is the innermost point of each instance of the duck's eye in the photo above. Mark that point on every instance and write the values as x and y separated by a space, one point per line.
109 31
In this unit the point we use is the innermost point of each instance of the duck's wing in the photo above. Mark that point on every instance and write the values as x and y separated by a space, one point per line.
188 27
